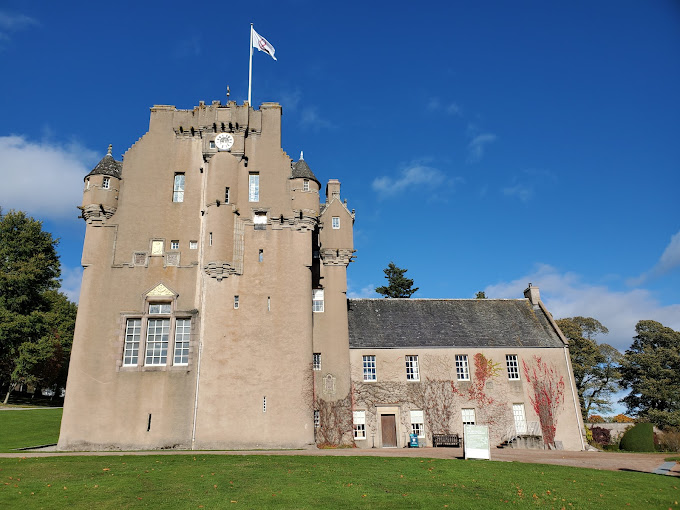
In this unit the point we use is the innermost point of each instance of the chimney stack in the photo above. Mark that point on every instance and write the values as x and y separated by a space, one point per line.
532 294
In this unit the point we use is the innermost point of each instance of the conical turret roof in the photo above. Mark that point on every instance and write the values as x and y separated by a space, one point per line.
301 170
107 166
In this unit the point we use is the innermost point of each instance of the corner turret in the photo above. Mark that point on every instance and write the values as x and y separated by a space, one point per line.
102 185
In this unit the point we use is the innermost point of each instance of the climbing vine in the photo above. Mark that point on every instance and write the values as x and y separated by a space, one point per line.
548 395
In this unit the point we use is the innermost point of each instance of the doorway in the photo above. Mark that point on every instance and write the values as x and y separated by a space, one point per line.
388 425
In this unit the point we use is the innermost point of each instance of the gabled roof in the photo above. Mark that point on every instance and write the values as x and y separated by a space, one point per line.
409 323
107 166
301 170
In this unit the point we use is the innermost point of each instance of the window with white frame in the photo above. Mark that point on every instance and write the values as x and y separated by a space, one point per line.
417 423
236 302
316 361
182 336
193 245
155 334
260 220
305 185
133 331
174 245
369 368
335 222
253 187
462 367
178 188
412 370
317 300
359 423
513 366
106 182
468 416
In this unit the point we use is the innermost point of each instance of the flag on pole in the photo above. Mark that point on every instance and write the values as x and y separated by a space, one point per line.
262 44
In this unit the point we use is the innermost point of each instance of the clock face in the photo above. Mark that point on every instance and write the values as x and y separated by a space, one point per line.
224 141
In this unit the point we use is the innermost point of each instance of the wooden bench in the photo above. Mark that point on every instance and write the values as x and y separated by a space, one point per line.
450 440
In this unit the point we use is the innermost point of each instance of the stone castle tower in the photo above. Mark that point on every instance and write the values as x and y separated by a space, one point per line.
213 309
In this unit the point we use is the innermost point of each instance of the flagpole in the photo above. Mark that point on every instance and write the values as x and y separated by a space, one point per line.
250 69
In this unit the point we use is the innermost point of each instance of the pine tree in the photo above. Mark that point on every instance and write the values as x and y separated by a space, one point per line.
399 286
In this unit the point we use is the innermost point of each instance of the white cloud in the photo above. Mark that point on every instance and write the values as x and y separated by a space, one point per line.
311 119
670 259
41 178
10 23
290 99
365 292
415 174
71 278
434 104
567 295
477 146
521 191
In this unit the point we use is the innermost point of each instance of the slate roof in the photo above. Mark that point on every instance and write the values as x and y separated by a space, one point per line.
408 323
107 166
300 169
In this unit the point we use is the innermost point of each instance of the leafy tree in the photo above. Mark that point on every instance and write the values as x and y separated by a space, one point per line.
596 366
480 295
651 369
36 321
399 286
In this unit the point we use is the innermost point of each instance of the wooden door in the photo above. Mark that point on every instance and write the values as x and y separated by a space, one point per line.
388 424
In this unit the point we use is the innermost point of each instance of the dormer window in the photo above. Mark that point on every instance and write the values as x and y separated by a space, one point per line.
106 183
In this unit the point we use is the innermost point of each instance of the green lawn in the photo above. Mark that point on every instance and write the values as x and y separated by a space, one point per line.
28 427
218 481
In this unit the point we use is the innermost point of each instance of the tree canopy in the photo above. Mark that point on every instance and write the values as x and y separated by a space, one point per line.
398 285
36 321
596 366
480 295
651 370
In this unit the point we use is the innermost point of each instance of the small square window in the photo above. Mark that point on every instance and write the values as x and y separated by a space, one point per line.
336 222
193 245
316 361
174 245
106 182
212 144
369 368
468 416
236 302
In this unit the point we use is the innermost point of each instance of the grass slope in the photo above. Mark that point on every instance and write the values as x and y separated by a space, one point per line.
28 427
216 481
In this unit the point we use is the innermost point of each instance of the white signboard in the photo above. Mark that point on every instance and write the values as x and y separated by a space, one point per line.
476 442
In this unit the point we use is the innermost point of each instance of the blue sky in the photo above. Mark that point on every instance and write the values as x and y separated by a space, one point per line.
484 145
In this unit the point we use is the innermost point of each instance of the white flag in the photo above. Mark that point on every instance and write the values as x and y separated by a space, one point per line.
262 44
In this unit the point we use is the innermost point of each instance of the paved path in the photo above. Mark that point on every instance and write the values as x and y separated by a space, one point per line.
640 462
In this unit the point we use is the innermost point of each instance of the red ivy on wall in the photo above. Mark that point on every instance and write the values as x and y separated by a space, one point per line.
548 395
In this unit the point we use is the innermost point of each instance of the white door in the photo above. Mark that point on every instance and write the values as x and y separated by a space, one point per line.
520 419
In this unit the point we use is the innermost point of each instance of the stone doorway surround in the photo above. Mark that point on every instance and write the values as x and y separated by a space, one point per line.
387 410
